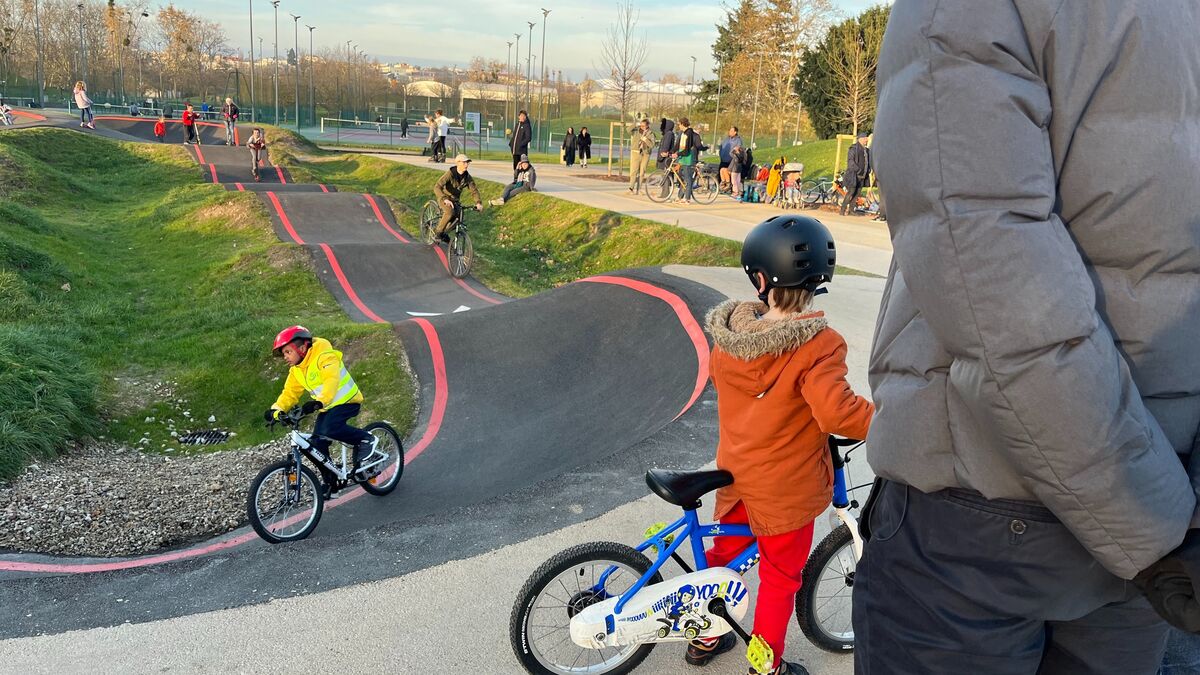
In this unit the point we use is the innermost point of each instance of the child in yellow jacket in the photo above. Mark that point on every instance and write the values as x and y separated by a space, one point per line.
316 367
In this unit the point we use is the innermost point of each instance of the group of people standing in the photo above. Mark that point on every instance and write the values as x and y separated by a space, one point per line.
439 128
581 144
679 143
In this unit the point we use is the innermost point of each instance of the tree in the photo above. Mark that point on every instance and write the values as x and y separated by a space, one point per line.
837 80
623 54
586 88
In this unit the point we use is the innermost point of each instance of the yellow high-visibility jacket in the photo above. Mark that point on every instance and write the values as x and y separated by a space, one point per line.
323 375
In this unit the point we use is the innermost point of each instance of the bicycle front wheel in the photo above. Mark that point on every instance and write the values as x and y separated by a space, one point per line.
823 603
659 187
540 625
285 505
462 254
431 213
706 190
391 467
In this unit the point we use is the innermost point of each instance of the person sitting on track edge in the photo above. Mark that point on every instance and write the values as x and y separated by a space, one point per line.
780 375
449 189
316 367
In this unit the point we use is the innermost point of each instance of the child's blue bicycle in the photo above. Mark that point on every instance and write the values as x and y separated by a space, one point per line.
601 607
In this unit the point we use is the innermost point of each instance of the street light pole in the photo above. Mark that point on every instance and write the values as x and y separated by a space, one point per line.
754 119
692 86
275 4
82 49
529 68
253 113
296 50
542 90
312 102
515 86
508 89
717 112
41 72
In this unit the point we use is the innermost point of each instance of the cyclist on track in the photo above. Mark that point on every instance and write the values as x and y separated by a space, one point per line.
316 367
449 189
780 375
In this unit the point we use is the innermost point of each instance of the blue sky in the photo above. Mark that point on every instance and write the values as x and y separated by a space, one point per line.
453 32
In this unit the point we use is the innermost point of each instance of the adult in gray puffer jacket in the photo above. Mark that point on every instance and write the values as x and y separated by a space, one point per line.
1035 363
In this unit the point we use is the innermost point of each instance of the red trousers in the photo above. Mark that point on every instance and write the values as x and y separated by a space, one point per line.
779 574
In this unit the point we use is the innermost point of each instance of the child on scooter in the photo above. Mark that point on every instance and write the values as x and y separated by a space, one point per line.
780 375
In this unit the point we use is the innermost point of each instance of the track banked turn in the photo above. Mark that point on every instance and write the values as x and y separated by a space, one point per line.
534 414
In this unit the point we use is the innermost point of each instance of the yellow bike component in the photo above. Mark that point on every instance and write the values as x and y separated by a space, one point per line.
760 655
655 529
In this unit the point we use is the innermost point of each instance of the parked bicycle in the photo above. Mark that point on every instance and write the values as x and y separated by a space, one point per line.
602 607
460 253
831 191
662 185
287 498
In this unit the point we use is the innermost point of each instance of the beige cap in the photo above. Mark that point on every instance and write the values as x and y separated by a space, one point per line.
461 158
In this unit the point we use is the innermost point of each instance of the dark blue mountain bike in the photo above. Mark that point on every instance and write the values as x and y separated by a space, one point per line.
601 607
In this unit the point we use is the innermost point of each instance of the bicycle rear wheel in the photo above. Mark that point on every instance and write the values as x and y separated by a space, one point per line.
563 586
431 213
659 187
284 505
706 190
392 467
461 254
810 192
823 603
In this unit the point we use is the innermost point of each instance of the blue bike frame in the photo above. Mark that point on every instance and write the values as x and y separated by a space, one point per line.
690 528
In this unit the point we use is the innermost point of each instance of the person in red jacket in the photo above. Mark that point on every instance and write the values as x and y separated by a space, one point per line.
160 128
780 375
189 126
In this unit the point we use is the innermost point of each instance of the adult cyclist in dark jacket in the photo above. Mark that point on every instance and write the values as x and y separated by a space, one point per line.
449 189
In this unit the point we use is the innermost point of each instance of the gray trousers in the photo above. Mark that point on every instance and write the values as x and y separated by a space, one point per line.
951 582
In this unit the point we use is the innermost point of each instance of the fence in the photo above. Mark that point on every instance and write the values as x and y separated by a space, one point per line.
364 132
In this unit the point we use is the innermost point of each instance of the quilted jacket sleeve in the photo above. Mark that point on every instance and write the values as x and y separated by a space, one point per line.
964 150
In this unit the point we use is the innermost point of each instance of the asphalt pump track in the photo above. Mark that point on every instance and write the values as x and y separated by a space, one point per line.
534 414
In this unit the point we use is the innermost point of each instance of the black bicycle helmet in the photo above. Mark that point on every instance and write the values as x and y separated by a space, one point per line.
791 252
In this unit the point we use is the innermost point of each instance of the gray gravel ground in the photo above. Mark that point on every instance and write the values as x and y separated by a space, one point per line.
109 500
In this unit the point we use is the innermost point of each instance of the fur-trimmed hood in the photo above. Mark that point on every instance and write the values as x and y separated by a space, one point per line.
762 349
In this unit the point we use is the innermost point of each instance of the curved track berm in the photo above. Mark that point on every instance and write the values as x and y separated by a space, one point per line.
534 414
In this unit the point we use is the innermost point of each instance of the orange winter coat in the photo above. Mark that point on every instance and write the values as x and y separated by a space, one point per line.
781 391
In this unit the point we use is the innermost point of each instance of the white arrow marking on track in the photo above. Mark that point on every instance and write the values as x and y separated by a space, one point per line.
461 308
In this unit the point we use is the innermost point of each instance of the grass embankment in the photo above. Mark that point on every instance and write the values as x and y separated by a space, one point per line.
131 290
535 242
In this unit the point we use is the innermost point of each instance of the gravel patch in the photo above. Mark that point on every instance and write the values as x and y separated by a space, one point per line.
110 500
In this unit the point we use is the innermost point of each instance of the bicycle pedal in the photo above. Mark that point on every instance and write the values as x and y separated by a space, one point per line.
760 655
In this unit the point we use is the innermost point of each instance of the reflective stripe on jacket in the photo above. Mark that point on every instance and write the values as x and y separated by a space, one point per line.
323 375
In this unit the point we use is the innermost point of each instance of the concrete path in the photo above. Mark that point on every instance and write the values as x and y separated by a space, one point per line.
862 243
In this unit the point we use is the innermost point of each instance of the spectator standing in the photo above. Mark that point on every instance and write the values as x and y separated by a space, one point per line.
521 136
737 160
189 125
431 138
667 145
1034 364
404 127
524 180
858 170
230 113
732 140
642 146
688 156
443 130
584 143
84 103
568 147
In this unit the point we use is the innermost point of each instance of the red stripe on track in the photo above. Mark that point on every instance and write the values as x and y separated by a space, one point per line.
237 139
199 154
240 187
690 325
337 271
280 172
323 188
213 169
287 223
437 415
34 116
460 282
379 217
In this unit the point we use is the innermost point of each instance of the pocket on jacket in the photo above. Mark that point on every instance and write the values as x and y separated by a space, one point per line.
886 510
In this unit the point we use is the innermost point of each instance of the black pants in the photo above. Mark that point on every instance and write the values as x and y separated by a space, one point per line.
333 424
439 147
853 187
191 132
516 161
951 582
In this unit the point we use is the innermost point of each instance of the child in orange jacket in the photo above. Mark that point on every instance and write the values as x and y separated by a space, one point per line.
780 375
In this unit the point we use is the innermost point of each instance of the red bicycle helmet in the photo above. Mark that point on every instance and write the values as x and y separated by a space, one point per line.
289 334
